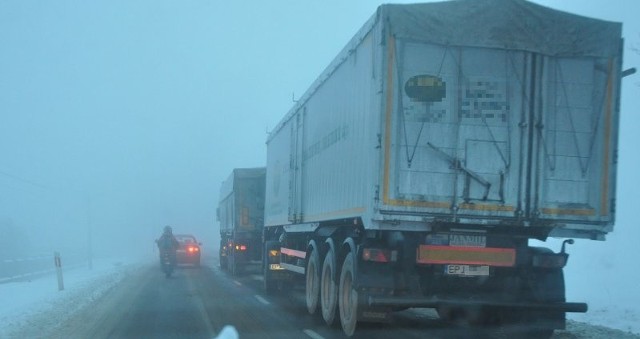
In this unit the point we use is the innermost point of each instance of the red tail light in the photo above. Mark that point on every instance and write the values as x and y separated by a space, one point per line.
241 247
378 255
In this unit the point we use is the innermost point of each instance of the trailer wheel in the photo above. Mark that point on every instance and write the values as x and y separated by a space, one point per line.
270 284
538 334
348 296
445 313
543 285
234 266
223 263
223 258
312 287
329 288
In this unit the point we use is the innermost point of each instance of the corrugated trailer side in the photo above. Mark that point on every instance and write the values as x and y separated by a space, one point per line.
443 137
327 145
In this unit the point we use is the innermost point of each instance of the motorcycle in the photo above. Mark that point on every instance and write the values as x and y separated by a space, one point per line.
167 263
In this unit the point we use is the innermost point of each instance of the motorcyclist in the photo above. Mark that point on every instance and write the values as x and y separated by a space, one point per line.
168 244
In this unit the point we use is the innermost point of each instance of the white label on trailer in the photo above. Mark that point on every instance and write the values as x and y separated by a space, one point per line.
466 270
276 267
467 240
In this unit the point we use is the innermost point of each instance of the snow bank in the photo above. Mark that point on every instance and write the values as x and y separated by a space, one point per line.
37 303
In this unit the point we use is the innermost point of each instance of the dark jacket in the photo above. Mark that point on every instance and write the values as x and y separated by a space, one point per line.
168 242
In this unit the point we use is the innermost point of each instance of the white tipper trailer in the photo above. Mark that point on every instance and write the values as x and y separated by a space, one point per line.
442 138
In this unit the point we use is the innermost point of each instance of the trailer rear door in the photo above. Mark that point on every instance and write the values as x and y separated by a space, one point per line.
575 140
456 140
486 133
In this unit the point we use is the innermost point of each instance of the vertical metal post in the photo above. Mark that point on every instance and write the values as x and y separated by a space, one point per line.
58 263
89 235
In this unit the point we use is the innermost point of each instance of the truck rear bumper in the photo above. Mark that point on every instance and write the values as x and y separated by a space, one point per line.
437 302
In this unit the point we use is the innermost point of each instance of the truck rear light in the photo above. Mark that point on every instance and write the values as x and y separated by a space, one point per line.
379 255
241 247
550 260
274 253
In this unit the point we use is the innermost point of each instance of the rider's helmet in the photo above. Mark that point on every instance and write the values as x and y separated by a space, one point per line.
167 229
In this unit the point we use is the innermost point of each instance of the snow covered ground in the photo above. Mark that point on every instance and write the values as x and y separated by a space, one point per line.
605 276
38 303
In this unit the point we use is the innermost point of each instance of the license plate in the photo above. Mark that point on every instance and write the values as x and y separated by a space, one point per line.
466 270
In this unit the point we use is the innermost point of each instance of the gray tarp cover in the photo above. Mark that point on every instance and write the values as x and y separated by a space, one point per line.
508 24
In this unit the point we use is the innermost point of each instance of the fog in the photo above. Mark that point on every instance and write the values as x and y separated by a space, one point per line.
117 118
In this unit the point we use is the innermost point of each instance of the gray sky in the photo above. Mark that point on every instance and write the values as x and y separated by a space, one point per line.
129 114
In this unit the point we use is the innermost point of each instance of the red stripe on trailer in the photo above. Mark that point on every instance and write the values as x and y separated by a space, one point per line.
430 254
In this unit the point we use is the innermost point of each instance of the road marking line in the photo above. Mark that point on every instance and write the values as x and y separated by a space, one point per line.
237 283
262 300
312 334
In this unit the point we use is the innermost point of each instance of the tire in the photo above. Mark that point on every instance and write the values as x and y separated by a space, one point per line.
329 288
270 285
348 296
548 286
542 286
445 313
233 266
537 334
312 286
223 259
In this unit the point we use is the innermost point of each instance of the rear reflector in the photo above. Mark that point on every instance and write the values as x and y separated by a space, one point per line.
431 254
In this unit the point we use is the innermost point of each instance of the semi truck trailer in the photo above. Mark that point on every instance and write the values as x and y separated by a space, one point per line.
240 215
420 165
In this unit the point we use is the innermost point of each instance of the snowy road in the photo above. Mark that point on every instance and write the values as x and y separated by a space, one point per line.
139 302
